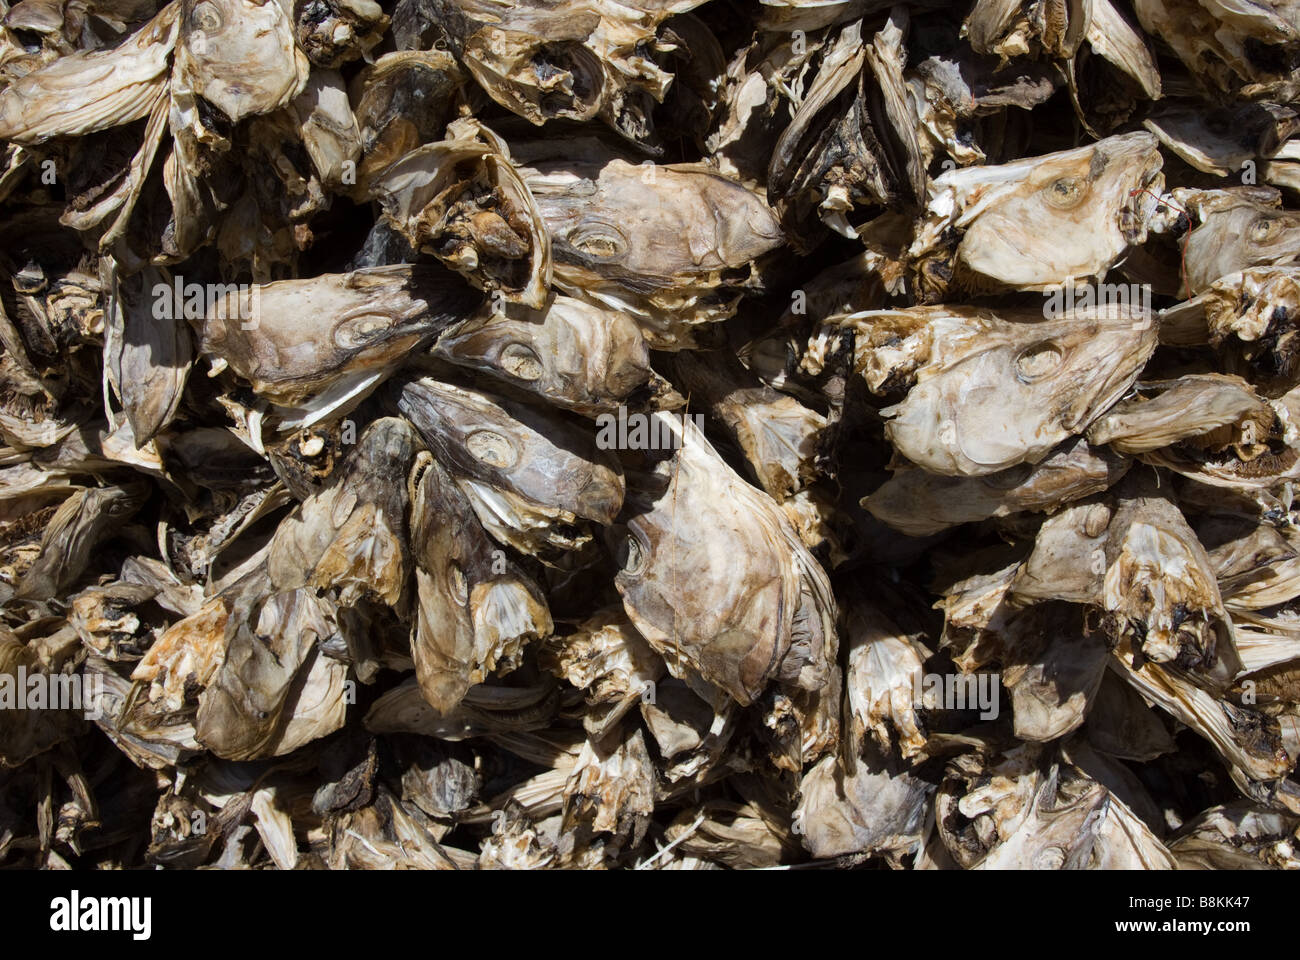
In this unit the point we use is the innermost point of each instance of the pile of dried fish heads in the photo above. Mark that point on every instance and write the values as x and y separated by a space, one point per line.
657 435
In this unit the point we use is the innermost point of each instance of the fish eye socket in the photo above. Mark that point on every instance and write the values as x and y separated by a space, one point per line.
599 240
206 18
631 556
1265 229
1051 858
358 331
491 448
520 361
1038 361
1066 193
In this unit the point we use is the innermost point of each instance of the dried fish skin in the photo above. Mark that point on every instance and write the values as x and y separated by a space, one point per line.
1257 572
476 609
1246 314
574 60
175 840
352 537
329 128
607 659
1038 223
239 56
1221 141
114 620
87 517
570 353
381 95
569 79
1237 836
332 32
1112 72
1121 724
185 657
1162 590
1164 413
920 503
147 358
885 668
1028 811
852 140
722 592
271 647
611 789
28 730
384 835
1137 558
1246 739
778 435
534 479
1012 29
485 710
872 811
748 117
358 327
462 200
988 393
1054 687
68 97
1229 47
953 89
725 834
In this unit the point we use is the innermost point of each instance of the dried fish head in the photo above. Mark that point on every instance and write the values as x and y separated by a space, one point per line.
1140 562
1230 47
272 649
573 354
1038 223
1248 316
1029 811
1237 230
477 609
332 32
729 592
885 666
1222 140
672 260
535 480
86 518
382 95
70 97
318 346
239 56
574 61
462 200
352 537
871 811
1166 413
990 393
